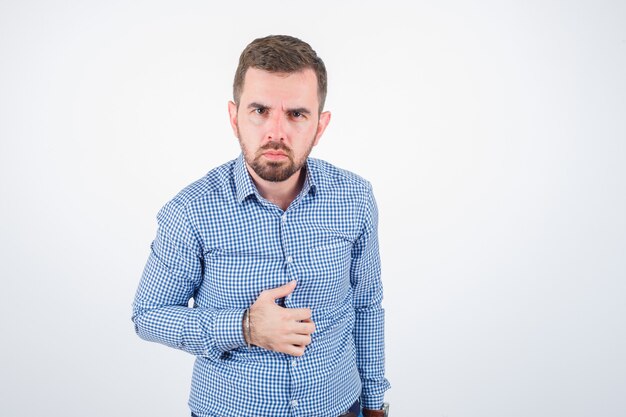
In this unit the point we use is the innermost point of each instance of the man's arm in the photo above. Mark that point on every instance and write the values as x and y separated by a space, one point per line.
369 326
171 277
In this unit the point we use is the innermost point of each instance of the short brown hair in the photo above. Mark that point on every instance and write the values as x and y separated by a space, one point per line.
282 54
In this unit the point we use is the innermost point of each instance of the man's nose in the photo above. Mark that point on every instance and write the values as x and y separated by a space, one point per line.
276 127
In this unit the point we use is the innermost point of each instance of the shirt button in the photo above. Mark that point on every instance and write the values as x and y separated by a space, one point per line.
283 218
289 259
294 403
293 362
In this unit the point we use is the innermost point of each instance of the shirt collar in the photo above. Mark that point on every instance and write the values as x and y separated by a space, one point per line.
245 187
243 183
310 185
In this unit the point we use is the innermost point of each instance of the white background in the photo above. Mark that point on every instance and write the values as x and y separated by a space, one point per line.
494 134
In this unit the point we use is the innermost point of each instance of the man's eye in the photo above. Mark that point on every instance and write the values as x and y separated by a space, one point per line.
296 114
260 110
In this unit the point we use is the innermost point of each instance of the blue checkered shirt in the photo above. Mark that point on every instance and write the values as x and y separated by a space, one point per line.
221 243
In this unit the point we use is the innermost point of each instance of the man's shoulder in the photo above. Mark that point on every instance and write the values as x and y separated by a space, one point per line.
213 182
327 174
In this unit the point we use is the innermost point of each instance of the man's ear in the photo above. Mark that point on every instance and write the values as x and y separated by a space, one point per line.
232 115
322 123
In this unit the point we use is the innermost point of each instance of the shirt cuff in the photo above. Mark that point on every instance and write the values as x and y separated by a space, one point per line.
373 402
226 330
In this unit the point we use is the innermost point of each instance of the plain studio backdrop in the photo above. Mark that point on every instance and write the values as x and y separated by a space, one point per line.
494 134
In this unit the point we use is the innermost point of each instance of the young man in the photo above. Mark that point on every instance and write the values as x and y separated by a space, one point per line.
279 252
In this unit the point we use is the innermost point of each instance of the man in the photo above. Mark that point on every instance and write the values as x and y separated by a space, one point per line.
279 252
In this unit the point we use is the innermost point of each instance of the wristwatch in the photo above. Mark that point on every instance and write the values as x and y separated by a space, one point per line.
384 412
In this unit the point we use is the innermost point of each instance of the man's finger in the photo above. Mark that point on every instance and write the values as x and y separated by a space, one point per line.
293 350
280 292
301 340
299 314
304 328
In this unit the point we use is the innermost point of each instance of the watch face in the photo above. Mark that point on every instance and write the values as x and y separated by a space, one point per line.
386 409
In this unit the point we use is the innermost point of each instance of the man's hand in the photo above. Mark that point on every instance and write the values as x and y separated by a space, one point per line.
286 330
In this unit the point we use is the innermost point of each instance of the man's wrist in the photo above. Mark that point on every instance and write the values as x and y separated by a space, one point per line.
247 335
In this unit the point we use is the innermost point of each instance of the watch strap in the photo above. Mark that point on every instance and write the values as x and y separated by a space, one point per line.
373 413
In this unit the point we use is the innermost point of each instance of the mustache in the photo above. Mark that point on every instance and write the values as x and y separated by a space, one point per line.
275 146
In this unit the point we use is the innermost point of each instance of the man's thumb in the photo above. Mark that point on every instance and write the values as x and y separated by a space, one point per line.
282 291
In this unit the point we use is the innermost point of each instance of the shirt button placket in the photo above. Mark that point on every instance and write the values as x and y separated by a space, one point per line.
288 258
283 233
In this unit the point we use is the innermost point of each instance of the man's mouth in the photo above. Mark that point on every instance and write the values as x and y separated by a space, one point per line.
274 155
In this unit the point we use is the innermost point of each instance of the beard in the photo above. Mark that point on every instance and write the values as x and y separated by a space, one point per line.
275 171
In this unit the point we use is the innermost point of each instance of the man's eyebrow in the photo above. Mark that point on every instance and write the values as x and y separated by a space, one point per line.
299 110
257 106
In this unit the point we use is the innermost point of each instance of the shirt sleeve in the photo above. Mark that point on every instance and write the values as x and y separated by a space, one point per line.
370 317
170 279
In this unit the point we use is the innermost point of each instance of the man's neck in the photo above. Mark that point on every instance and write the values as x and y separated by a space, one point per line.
281 193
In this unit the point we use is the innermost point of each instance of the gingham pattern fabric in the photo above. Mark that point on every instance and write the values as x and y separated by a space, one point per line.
221 243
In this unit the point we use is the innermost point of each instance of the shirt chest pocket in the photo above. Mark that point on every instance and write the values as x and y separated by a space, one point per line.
324 274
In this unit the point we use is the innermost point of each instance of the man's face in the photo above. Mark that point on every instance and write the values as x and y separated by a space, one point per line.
277 121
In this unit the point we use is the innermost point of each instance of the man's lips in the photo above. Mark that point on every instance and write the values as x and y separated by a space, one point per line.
274 154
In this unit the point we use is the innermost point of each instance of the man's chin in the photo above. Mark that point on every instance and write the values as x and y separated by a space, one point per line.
277 173
275 176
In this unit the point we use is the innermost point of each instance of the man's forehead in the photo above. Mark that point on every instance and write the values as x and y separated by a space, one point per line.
265 85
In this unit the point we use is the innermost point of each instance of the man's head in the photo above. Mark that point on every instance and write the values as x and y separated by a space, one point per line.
280 54
277 113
